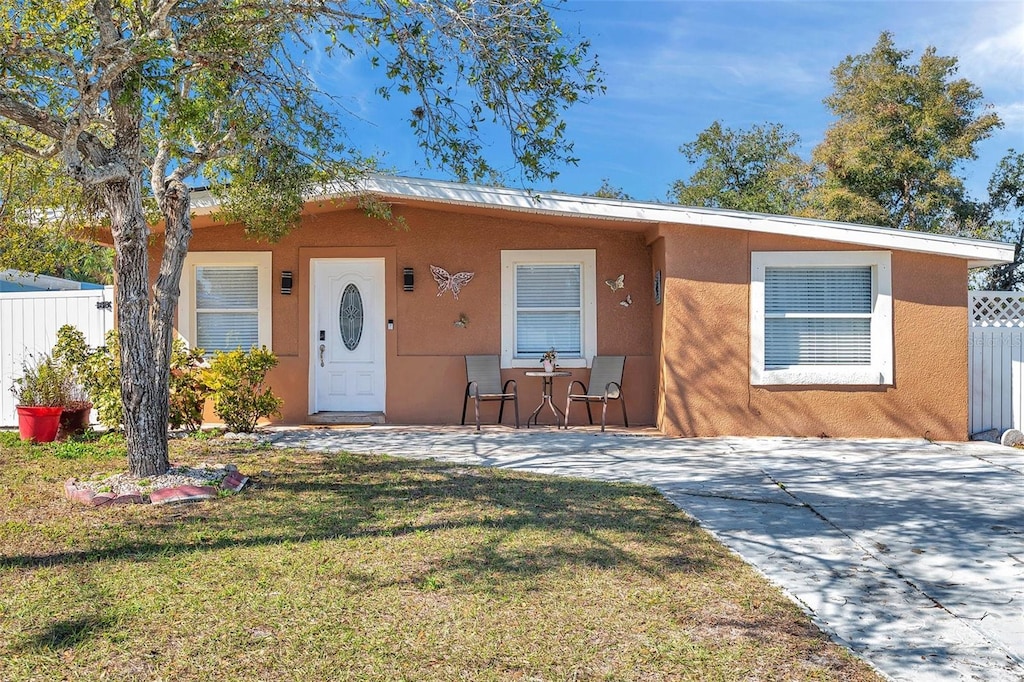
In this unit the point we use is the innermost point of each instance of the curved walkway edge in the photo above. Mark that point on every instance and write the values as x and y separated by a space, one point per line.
908 552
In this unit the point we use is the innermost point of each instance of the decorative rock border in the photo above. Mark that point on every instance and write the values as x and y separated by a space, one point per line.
183 493
94 499
234 481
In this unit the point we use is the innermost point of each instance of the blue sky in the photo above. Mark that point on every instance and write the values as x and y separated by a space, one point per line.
673 67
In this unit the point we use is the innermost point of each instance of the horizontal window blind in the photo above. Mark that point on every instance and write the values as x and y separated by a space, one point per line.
548 310
817 290
797 341
548 286
227 287
818 316
541 331
227 307
227 331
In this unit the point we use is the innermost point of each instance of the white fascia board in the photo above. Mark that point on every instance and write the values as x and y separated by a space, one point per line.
977 252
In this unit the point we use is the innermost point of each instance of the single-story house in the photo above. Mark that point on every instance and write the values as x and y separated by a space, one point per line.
732 323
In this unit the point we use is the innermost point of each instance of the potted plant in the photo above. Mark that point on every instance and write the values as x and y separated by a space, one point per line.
549 359
41 393
71 353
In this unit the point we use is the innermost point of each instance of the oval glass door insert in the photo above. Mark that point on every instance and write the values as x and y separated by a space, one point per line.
350 316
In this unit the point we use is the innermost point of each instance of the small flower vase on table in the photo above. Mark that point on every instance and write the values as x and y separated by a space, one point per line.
548 360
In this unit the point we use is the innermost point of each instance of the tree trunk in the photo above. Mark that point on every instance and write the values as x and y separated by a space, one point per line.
144 380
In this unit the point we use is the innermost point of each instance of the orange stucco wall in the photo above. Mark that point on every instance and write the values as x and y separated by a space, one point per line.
687 368
425 368
704 370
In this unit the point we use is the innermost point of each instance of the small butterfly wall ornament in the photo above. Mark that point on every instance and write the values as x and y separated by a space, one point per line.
447 281
617 283
628 302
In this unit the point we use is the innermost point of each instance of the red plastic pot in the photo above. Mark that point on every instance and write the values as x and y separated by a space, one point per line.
38 423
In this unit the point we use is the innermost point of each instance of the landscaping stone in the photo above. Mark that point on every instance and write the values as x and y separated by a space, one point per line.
991 436
100 499
234 481
183 493
1012 438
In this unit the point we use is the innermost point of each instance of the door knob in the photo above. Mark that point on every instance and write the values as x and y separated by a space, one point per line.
322 349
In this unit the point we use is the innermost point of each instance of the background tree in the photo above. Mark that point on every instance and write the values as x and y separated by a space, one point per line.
609 191
1004 212
132 99
903 129
748 170
39 224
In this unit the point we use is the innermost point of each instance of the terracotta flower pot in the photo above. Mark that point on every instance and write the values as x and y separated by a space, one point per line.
38 424
74 420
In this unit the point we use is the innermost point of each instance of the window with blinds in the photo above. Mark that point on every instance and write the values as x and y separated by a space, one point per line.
821 317
817 316
227 307
548 300
548 310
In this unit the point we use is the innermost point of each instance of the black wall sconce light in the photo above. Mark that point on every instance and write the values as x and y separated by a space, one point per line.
286 282
408 280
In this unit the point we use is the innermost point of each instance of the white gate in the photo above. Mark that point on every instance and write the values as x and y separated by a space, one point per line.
28 325
995 360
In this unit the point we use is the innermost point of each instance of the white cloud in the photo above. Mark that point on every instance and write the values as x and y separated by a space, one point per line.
999 54
1012 115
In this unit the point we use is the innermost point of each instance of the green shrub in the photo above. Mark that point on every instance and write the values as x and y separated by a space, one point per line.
100 373
236 384
43 382
188 392
71 353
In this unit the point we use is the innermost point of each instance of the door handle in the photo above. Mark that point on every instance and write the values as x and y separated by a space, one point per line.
322 348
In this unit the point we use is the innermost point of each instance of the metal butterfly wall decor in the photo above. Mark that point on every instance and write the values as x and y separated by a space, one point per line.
446 281
616 284
628 302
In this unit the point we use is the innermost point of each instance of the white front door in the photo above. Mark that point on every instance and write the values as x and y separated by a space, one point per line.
347 354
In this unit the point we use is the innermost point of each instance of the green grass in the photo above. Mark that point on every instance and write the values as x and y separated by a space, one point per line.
367 568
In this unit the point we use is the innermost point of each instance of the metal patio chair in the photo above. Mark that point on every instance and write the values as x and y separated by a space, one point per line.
483 376
605 385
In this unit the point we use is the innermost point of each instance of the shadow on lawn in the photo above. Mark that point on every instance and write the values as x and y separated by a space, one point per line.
66 634
345 496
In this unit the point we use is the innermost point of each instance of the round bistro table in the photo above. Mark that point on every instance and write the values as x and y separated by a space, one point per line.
546 389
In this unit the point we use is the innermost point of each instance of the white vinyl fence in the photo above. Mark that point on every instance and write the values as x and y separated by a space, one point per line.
28 325
995 360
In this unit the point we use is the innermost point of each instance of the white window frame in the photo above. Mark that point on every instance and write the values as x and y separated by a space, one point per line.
587 260
263 260
880 370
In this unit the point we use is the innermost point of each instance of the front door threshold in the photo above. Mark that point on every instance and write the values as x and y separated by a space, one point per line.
347 418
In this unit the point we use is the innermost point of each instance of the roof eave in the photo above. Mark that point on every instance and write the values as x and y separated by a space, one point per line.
977 253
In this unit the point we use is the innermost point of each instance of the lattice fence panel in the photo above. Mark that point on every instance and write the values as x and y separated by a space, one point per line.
996 309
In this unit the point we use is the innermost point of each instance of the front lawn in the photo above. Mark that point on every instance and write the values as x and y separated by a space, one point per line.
333 567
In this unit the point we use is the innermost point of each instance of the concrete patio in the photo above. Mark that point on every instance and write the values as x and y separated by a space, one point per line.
910 553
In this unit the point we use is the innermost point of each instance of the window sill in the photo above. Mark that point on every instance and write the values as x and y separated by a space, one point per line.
821 375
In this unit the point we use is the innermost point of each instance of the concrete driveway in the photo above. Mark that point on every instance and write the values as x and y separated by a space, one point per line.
908 552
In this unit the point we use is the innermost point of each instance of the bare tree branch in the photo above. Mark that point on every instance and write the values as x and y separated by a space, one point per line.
30 116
